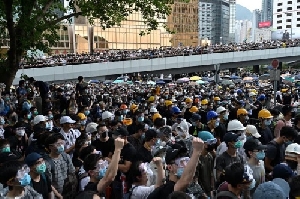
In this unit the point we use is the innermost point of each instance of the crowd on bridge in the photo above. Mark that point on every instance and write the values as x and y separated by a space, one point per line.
126 55
186 139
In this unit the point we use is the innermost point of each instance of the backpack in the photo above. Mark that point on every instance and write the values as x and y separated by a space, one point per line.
129 193
227 194
70 187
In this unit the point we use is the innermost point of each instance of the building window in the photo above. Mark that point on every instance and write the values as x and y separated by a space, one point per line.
289 20
279 4
290 2
288 26
280 21
298 25
289 8
288 14
298 19
279 10
279 27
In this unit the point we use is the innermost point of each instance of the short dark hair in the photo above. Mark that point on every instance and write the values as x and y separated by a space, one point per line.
178 195
86 151
159 122
288 132
52 139
3 142
140 126
9 170
286 109
134 172
90 162
234 174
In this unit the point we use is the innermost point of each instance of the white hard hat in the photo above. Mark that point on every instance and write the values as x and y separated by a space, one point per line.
220 109
106 115
235 125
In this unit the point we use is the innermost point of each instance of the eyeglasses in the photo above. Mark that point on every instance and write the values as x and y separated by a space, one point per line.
211 141
102 165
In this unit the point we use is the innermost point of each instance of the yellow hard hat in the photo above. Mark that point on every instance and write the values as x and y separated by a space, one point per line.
265 114
168 102
217 99
194 109
204 102
151 99
188 100
242 111
133 107
81 116
155 116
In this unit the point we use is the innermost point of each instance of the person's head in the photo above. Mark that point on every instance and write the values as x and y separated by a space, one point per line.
176 160
138 173
196 120
67 122
80 78
232 141
269 190
151 137
140 129
4 145
251 132
55 143
292 151
36 163
254 149
242 114
265 117
283 171
209 140
103 130
85 151
81 143
287 112
91 128
122 133
14 174
287 135
239 176
182 129
212 119
95 166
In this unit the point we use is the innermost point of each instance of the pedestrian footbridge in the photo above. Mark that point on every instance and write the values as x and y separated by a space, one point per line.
167 65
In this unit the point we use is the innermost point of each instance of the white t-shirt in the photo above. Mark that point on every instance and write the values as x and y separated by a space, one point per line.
70 139
141 192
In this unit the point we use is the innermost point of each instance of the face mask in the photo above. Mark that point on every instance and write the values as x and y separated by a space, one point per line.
226 116
41 168
268 122
204 107
252 185
60 149
29 116
83 123
101 173
20 133
143 136
25 180
6 149
247 118
194 124
217 123
238 144
2 121
260 155
35 112
86 113
121 118
50 117
158 141
179 172
104 134
48 126
140 119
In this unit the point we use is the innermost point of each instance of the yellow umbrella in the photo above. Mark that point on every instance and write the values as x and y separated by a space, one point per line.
195 78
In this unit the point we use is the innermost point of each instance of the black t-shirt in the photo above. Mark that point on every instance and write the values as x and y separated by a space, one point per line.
220 131
104 147
43 186
144 155
163 191
128 153
91 186
275 152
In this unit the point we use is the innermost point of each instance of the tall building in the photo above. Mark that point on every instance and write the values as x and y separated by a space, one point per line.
267 10
243 31
214 20
256 19
232 12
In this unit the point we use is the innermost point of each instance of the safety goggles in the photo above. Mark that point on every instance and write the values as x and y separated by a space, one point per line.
211 141
103 164
182 162
145 167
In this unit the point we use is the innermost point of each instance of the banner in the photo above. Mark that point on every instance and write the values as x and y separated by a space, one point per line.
285 34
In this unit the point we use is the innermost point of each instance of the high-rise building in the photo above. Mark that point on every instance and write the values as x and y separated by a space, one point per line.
256 19
214 20
232 11
267 10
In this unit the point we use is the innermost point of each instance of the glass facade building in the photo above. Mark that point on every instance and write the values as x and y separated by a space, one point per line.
214 21
267 10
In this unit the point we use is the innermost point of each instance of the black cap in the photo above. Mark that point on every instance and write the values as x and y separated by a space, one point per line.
175 152
230 137
121 132
195 117
7 156
254 144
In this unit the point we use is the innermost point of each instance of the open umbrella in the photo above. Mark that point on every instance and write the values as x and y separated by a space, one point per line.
94 82
183 80
160 82
200 82
248 78
195 78
227 82
151 83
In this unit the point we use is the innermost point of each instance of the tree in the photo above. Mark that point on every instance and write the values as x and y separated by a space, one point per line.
29 23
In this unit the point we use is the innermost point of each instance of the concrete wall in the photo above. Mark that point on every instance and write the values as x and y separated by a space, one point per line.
180 64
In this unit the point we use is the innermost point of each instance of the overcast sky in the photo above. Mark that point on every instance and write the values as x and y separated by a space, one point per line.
250 4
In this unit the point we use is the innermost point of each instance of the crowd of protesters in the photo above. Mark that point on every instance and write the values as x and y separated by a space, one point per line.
126 55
